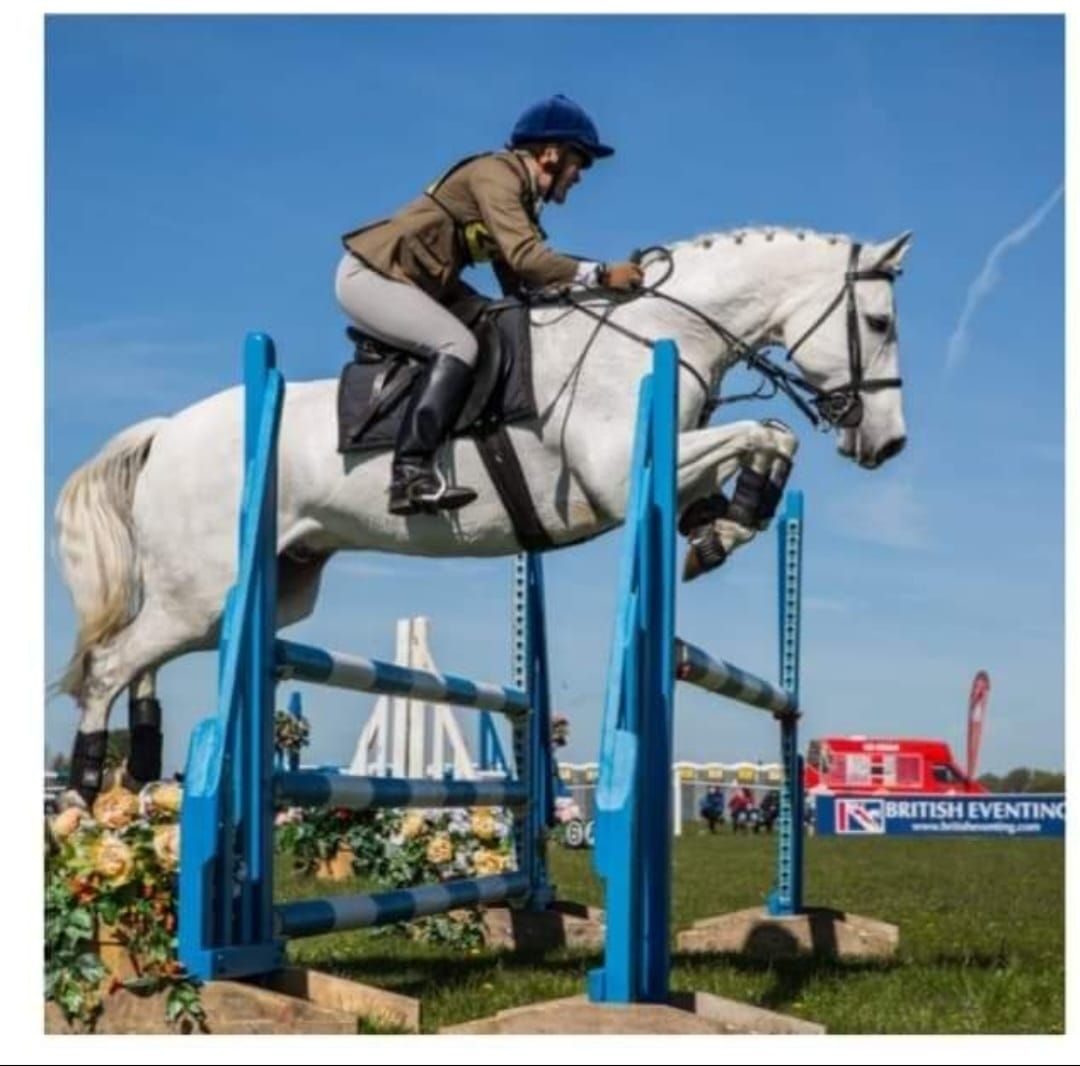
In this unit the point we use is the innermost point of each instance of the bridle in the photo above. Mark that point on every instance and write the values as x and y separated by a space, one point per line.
836 408
842 407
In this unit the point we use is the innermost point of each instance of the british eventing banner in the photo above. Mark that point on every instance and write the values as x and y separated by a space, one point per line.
1014 814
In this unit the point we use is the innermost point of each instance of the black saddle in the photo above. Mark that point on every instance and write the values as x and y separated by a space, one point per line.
377 381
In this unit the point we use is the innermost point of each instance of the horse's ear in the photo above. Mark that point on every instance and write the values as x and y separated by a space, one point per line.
894 252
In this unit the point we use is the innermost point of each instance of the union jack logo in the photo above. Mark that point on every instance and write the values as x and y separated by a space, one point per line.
860 816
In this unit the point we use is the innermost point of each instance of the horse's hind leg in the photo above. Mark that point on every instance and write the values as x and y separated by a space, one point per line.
144 729
152 638
761 453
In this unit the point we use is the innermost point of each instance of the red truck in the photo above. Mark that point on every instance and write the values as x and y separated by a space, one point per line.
861 765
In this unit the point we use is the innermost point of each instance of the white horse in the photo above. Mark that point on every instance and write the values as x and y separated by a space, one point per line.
147 528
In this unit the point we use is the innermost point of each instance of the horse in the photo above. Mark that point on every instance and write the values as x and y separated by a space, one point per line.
146 529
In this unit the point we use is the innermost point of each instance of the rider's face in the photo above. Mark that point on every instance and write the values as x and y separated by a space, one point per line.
561 171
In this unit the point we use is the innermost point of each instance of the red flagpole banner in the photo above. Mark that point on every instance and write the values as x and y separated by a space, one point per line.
978 703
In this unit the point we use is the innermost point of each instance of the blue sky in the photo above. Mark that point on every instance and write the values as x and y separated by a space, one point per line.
199 172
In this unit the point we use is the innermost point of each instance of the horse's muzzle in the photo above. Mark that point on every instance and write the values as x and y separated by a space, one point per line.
848 448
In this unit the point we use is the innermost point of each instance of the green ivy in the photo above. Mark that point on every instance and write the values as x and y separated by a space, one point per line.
138 904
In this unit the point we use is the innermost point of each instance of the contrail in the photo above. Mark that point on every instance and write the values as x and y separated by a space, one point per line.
988 277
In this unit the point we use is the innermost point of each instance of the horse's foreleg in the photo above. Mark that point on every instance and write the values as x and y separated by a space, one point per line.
762 476
761 453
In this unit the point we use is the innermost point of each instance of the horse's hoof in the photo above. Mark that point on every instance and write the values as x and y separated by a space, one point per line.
710 545
705 551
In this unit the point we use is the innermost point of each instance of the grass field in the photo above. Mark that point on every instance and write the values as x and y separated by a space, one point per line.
982 938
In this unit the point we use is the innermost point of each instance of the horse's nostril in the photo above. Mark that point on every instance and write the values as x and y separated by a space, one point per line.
891 449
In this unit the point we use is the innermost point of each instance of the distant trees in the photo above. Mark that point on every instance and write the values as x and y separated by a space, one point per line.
1024 779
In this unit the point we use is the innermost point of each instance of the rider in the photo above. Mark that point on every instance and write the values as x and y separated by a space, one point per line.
398 276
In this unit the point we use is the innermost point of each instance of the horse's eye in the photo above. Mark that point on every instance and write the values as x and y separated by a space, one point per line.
878 323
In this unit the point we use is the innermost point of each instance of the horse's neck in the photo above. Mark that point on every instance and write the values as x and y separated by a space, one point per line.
749 287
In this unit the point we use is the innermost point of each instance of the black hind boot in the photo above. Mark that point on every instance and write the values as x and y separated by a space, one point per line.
144 721
88 764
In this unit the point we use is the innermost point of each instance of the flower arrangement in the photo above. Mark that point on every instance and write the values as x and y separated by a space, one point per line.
291 733
404 848
437 845
317 836
110 905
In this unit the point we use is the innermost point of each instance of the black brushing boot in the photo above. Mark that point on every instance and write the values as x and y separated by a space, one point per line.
144 721
88 764
433 409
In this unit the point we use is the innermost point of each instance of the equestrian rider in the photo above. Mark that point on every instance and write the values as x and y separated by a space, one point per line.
399 275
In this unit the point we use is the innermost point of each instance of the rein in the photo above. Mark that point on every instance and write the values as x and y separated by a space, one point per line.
839 407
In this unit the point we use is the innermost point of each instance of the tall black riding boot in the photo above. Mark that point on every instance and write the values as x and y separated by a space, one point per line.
433 409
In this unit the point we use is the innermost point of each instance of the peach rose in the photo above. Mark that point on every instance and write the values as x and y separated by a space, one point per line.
483 826
116 808
488 862
167 845
66 822
412 826
113 860
163 797
440 849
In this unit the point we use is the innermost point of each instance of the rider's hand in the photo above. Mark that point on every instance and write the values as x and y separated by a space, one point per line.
622 276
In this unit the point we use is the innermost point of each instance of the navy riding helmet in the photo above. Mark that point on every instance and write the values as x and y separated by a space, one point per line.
559 119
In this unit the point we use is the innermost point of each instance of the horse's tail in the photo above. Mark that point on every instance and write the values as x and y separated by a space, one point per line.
96 546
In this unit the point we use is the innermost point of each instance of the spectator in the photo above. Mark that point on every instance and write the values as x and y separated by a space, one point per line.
712 807
770 809
739 806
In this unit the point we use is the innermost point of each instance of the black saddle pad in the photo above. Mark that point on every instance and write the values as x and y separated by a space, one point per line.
376 384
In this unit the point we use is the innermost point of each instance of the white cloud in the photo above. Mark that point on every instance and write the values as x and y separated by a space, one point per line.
988 277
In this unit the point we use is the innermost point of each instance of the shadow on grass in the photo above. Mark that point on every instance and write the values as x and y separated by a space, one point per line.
421 975
790 976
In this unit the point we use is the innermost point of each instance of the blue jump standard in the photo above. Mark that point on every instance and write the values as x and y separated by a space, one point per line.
228 923
633 794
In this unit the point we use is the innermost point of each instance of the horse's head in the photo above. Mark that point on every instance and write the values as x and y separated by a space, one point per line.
842 334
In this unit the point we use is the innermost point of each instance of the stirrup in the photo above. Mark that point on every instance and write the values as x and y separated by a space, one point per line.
414 496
